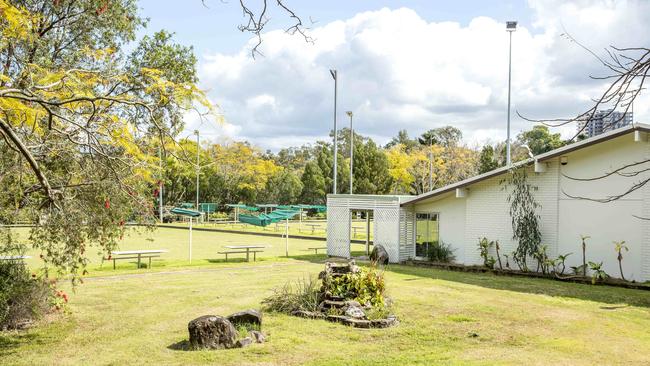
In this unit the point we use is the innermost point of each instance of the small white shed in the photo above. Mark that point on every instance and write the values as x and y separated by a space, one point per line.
392 224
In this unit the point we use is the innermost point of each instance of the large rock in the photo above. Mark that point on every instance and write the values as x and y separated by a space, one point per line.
379 254
212 332
248 318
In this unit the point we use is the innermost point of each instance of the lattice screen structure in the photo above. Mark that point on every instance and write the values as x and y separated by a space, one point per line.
393 225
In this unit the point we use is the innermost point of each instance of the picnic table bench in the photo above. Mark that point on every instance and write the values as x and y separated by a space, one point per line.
355 230
135 254
313 227
316 249
243 249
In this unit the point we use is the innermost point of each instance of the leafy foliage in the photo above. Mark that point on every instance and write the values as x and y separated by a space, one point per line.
301 295
366 286
439 251
484 246
523 212
598 274
81 119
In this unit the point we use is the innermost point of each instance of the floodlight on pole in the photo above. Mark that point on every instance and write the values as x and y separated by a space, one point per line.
511 26
336 79
349 113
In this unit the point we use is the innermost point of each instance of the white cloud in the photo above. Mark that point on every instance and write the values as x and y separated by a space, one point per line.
398 71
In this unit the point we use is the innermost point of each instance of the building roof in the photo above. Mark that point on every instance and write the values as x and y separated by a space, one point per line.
539 158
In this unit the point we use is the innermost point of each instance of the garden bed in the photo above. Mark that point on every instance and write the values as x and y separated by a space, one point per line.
481 269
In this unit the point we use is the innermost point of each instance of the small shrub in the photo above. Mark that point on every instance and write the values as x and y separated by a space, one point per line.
366 286
25 297
484 246
439 251
598 274
301 295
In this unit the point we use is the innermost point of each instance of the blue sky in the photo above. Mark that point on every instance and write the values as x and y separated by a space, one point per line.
411 65
214 28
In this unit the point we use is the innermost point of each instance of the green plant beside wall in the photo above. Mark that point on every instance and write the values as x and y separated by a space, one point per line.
584 254
439 251
598 274
619 246
523 214
484 246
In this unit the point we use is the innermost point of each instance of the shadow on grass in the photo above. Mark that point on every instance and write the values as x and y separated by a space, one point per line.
540 286
183 345
12 340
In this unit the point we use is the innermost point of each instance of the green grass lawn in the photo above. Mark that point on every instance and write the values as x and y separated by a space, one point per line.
205 246
133 316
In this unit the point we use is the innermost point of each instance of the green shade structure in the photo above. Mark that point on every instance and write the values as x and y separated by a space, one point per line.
187 205
188 213
185 212
271 218
240 206
208 207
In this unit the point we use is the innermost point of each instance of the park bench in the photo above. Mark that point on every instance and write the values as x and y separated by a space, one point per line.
243 249
134 254
316 249
313 227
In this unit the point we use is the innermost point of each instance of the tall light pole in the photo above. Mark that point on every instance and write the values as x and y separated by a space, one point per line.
511 26
430 163
351 149
335 76
198 167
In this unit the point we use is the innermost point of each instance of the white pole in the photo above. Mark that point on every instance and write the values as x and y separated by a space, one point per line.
367 232
190 239
351 151
336 80
198 168
510 27
300 225
160 188
286 238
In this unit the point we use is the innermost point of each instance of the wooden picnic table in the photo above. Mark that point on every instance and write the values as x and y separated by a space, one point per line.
313 227
135 254
316 249
243 249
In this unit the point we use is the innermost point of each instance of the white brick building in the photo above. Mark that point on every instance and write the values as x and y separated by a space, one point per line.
461 213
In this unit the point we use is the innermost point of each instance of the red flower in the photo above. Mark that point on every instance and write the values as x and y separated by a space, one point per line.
107 204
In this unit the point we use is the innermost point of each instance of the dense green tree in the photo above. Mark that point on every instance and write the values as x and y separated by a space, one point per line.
487 160
540 140
82 117
444 136
403 139
314 186
284 187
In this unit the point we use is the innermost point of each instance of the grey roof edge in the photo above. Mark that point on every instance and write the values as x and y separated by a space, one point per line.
541 157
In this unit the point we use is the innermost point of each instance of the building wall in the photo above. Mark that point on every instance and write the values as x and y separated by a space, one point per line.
484 212
605 222
451 222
